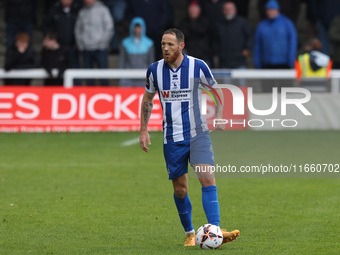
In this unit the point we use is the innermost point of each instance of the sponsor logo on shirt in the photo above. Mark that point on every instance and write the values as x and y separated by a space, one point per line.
176 95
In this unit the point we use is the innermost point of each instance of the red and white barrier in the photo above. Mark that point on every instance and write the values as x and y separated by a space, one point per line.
51 109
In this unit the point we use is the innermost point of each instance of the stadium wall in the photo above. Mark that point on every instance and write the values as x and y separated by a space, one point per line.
93 109
83 109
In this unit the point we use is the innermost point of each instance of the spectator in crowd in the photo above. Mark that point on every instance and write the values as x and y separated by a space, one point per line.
290 8
275 40
117 9
196 29
212 9
233 38
321 14
313 68
20 55
136 51
334 36
313 63
61 19
93 31
155 15
275 43
54 56
19 17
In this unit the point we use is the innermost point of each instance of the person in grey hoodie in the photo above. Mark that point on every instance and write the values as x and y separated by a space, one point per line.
136 51
93 32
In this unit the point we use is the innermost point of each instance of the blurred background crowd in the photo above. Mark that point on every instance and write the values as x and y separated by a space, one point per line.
238 34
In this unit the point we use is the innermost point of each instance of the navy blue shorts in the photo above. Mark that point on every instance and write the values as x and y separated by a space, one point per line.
198 150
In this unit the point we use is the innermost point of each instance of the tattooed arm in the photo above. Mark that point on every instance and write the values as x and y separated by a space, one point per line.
146 109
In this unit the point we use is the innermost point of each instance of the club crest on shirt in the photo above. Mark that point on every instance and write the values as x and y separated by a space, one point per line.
174 82
174 85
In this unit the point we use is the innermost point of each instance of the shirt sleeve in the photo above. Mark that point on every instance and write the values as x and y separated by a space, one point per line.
206 76
150 83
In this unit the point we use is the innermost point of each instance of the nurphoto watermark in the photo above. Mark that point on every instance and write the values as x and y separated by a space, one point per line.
240 102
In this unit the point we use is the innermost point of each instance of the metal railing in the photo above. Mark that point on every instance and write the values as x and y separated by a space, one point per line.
72 74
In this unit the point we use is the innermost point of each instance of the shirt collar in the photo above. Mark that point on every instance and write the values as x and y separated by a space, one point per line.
185 60
185 63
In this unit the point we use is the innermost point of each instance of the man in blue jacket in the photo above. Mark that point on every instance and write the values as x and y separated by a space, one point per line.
155 14
275 40
136 52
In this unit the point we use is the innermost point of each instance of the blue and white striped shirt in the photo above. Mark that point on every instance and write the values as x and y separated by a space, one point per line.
180 96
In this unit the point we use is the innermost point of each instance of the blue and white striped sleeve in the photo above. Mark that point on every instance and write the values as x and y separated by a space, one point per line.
150 83
206 75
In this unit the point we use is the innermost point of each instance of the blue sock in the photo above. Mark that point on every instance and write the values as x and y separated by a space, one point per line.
210 204
184 211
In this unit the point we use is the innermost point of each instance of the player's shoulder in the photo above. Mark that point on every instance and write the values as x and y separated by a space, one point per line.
198 61
193 58
153 67
155 64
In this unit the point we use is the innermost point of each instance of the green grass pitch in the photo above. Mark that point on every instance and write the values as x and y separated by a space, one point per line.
85 193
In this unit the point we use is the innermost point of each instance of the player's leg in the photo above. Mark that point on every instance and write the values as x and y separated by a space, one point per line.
182 202
202 160
210 200
176 157
184 207
180 185
209 192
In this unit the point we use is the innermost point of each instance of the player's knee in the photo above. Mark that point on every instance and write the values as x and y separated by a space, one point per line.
181 192
207 182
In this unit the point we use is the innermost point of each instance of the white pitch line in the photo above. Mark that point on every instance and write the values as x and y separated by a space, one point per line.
130 142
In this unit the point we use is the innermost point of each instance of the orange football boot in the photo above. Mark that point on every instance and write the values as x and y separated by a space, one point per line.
190 239
229 236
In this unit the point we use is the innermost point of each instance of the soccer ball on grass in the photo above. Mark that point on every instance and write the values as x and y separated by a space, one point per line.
209 236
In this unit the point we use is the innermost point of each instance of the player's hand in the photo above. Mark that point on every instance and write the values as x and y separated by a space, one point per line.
219 127
144 140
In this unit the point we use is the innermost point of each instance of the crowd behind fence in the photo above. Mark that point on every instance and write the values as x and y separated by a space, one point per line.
208 25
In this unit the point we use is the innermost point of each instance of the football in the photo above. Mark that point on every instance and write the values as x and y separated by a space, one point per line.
209 236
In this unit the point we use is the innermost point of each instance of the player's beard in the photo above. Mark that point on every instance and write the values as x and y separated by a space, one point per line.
172 58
